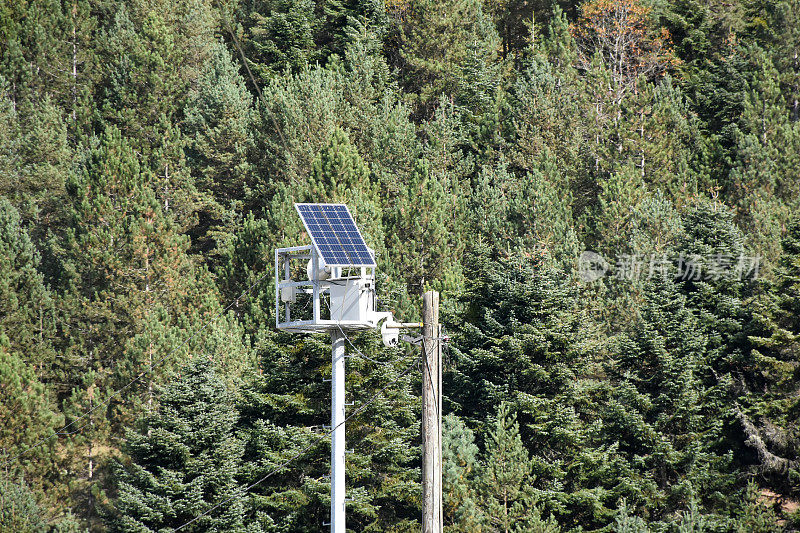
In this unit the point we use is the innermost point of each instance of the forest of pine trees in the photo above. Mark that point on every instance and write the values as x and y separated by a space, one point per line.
605 192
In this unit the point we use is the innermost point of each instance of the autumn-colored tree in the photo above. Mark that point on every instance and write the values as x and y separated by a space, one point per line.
622 35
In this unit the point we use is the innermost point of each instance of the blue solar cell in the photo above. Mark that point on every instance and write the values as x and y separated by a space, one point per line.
335 235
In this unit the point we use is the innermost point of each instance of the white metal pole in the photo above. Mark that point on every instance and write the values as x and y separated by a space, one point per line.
337 435
315 278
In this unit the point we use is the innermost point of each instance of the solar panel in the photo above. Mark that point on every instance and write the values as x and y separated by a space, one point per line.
335 235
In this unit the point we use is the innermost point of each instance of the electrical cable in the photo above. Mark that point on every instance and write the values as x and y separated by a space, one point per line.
61 432
305 448
425 358
360 353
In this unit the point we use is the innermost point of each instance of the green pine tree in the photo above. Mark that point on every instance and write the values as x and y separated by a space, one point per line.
219 117
506 482
29 314
762 181
27 437
442 45
421 248
530 213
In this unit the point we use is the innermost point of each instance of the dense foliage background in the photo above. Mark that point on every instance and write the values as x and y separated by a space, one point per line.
150 154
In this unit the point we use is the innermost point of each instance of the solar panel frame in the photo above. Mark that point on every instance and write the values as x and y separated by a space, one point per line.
335 235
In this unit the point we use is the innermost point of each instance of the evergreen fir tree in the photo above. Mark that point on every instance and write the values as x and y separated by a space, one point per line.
520 341
460 469
509 301
284 410
9 139
529 213
716 272
667 414
478 85
625 522
34 161
184 460
769 418
245 259
18 508
788 288
546 107
339 15
218 115
42 162
620 195
279 36
755 515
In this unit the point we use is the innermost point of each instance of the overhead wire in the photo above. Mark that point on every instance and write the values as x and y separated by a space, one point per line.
438 337
359 352
62 431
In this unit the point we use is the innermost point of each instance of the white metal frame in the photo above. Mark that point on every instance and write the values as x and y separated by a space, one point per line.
315 287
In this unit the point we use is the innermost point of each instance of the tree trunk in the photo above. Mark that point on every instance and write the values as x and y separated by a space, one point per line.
74 60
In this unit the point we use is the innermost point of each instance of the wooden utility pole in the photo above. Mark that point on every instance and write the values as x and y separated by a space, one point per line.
431 415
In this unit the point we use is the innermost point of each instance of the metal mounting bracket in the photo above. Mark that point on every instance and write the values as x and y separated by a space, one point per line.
416 341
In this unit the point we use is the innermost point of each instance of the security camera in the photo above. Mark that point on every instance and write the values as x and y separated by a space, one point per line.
390 336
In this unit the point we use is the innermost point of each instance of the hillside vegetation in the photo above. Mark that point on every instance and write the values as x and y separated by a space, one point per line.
606 193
